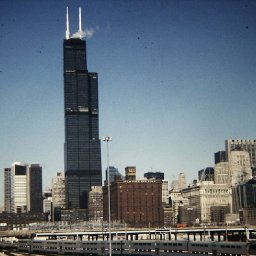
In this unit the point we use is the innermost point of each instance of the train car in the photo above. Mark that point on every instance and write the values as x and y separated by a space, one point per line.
251 247
37 246
70 246
92 247
51 246
230 248
24 245
200 246
171 246
142 247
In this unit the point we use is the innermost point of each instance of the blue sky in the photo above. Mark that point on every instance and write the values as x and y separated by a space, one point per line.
176 78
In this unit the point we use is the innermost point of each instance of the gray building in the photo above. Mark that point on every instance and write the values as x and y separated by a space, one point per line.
82 144
244 195
8 191
248 145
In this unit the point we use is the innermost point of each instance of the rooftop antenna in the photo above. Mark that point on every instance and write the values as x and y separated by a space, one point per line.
80 23
67 29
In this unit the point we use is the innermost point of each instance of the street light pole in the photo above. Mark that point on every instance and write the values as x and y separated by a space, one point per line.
107 139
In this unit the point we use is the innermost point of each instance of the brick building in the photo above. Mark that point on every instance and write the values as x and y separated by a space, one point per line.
136 203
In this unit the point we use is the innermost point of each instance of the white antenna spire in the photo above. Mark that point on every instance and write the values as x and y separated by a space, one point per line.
80 23
67 29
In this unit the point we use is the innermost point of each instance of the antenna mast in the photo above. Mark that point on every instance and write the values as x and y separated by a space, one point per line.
67 29
80 23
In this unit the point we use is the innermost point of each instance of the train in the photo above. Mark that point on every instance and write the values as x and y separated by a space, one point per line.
136 247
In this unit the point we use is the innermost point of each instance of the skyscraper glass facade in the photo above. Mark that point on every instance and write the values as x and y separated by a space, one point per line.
82 144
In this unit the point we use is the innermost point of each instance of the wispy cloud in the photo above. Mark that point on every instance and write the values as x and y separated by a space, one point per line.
88 33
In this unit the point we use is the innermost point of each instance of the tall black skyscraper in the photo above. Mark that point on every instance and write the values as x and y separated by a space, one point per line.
82 144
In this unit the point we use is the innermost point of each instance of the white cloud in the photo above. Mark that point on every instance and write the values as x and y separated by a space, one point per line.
88 33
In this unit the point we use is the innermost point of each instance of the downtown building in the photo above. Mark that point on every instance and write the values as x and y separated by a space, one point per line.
247 145
137 203
23 188
82 144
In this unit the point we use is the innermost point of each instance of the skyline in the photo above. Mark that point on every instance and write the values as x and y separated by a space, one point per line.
176 79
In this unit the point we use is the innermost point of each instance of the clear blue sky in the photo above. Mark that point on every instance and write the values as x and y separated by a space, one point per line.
176 78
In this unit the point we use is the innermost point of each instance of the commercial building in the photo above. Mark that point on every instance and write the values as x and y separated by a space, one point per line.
220 156
35 188
23 188
58 190
239 166
96 204
244 195
221 173
154 175
206 194
206 174
82 144
137 203
248 145
8 190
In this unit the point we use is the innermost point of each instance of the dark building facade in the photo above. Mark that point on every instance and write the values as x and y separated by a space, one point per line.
35 188
136 203
154 175
82 144
244 195
206 174
220 156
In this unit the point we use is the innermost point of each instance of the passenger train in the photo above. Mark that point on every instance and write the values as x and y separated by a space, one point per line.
138 247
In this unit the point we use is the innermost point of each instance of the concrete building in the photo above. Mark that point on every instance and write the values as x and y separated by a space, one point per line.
206 194
136 203
165 192
218 214
182 182
176 200
188 215
221 173
58 190
248 145
96 203
239 166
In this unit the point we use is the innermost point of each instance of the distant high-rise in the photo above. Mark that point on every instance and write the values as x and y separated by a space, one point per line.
20 185
82 144
220 157
35 189
23 188
113 174
154 175
8 190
